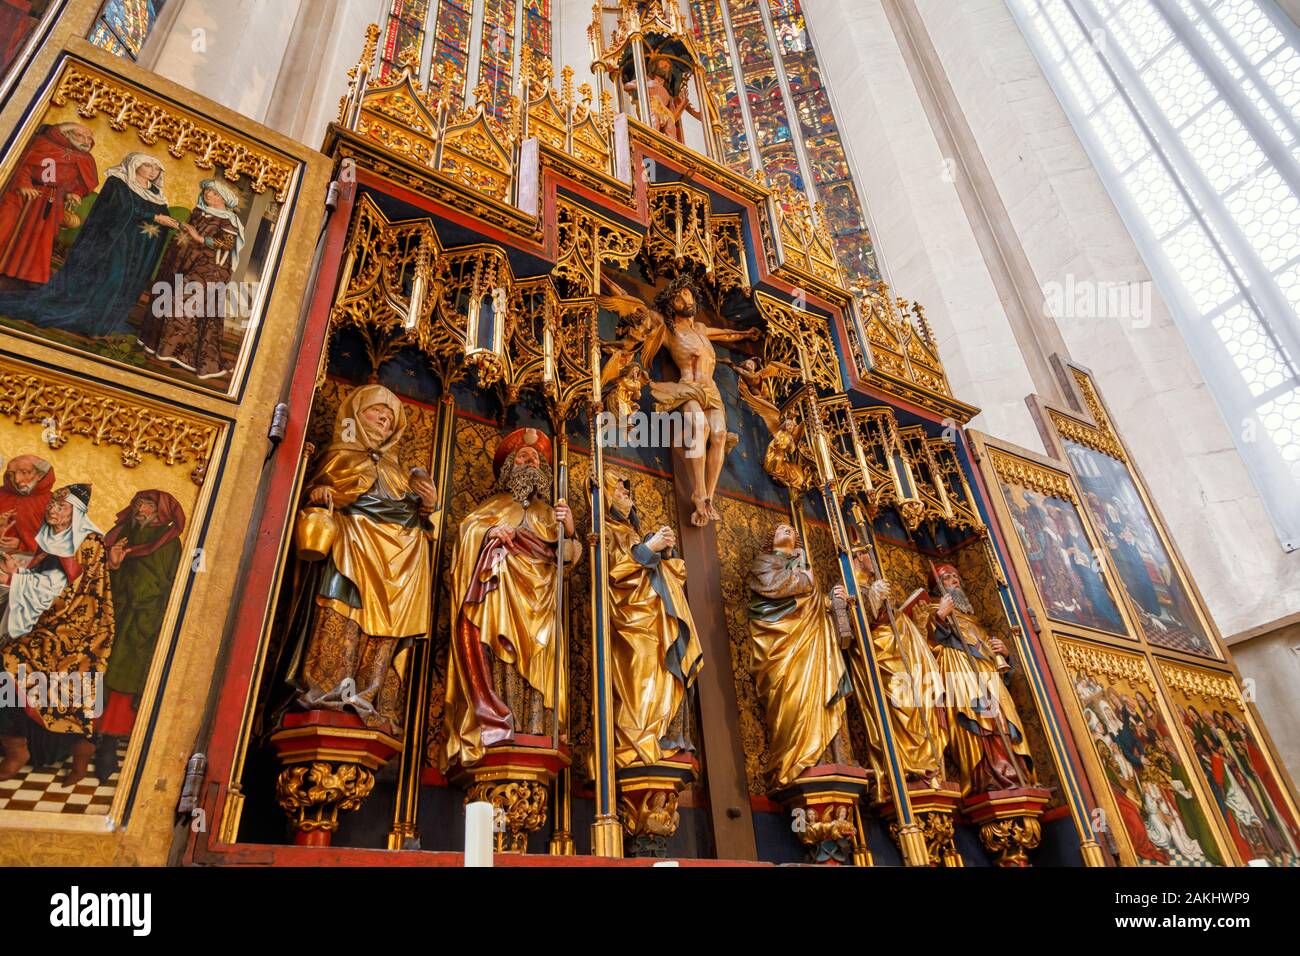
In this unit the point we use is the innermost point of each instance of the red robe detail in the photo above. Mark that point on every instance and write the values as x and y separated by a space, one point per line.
29 509
28 227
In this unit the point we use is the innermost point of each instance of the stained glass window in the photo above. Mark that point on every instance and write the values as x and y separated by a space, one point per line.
452 24
451 39
123 25
404 31
782 112
1189 109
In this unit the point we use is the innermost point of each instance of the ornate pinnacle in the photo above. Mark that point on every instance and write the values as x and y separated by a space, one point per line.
566 89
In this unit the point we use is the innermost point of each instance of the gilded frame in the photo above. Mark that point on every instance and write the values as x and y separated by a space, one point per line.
1086 421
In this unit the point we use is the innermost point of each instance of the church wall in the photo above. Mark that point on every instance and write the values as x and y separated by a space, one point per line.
1068 227
926 245
1272 661
283 63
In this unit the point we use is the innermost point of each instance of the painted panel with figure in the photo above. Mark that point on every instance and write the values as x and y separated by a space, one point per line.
1164 606
1253 802
96 530
138 232
1153 791
1061 557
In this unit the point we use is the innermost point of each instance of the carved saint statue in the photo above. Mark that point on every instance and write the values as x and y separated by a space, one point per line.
910 677
375 587
798 662
980 714
665 108
502 673
656 654
694 394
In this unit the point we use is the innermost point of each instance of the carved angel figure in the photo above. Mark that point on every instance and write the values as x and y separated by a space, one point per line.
781 460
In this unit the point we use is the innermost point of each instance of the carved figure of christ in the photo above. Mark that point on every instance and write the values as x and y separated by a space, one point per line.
690 343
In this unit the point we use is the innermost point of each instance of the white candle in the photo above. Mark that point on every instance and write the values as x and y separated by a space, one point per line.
478 834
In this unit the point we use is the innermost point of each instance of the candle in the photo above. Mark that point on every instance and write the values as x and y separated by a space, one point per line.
479 818
417 301
548 353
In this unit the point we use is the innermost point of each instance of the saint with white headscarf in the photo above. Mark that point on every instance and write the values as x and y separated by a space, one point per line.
193 296
58 623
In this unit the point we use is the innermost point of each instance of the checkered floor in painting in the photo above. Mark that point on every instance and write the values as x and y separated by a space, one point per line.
39 789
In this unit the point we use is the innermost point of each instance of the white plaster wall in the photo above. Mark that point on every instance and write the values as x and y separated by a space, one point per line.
1069 227
1270 664
237 52
229 50
922 236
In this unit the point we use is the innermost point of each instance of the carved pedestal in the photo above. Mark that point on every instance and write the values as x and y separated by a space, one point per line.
647 803
823 803
516 779
1008 822
934 809
329 759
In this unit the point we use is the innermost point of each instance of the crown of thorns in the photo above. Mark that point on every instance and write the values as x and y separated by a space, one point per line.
664 297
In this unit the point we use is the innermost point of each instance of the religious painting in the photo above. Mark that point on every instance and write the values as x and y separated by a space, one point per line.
138 232
1153 792
1061 558
97 530
1165 608
1261 820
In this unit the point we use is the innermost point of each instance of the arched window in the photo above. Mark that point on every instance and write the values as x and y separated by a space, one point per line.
1188 109
123 25
763 48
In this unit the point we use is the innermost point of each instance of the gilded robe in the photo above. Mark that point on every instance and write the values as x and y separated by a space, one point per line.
73 634
797 663
502 608
910 679
975 719
656 653
375 586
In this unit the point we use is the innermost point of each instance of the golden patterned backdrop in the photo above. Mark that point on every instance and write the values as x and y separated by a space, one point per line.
744 530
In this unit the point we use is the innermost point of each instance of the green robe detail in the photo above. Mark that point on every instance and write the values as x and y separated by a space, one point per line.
141 587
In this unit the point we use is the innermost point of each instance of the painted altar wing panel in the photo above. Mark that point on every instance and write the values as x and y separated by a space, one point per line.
1061 560
1165 607
112 245
1165 823
133 550
1235 765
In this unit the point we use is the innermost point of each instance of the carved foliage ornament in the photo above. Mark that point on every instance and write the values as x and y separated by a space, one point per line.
67 409
1099 662
1017 471
187 133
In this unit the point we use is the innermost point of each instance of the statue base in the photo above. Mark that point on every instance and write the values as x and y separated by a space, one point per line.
934 808
330 758
1008 822
647 803
823 803
515 778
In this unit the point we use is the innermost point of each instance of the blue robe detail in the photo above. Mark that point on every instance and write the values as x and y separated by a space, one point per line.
108 267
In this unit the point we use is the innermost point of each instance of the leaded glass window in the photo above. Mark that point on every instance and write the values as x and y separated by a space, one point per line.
1189 110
